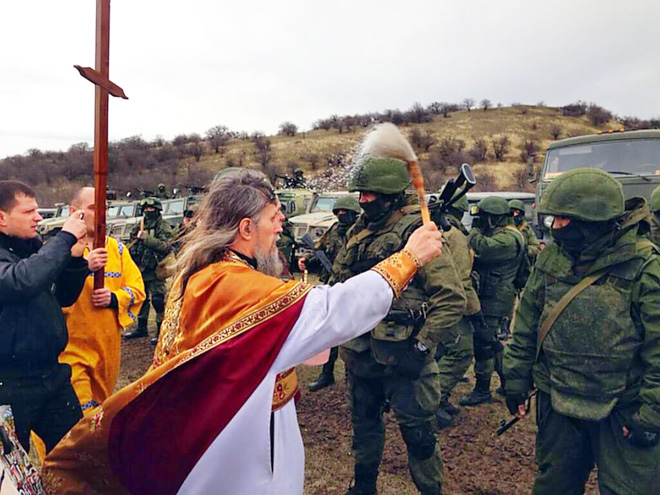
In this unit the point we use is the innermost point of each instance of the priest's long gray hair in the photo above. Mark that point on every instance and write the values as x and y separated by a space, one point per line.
233 196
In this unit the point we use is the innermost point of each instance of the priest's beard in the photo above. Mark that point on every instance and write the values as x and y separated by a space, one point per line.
268 259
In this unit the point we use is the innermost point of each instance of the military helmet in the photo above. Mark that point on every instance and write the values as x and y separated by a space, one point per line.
379 175
298 171
161 186
516 204
587 194
346 203
494 205
655 200
155 202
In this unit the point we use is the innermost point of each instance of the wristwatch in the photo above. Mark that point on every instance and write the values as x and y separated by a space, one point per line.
421 347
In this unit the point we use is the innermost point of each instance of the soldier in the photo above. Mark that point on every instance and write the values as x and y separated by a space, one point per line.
162 192
347 210
587 336
186 225
498 251
455 350
150 244
395 364
655 216
287 246
298 178
517 208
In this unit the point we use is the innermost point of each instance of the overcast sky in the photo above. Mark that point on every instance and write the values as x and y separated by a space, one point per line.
251 65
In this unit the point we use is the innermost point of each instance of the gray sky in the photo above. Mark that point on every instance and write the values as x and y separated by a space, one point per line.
251 65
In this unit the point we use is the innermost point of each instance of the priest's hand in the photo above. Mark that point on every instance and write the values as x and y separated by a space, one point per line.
97 259
101 298
425 243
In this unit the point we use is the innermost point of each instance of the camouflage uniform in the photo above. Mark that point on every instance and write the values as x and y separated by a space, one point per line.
379 363
455 350
147 253
331 243
598 367
654 203
499 249
531 241
287 244
162 192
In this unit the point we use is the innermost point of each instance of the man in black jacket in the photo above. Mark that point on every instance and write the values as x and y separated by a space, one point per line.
35 282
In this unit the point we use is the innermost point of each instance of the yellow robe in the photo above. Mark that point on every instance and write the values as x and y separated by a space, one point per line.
94 348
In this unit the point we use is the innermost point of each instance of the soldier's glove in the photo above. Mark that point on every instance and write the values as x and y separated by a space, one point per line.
513 400
641 436
412 360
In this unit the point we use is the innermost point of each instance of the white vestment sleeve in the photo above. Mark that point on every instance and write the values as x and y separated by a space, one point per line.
333 315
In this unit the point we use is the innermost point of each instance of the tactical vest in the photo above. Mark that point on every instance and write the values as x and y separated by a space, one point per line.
496 289
590 355
363 251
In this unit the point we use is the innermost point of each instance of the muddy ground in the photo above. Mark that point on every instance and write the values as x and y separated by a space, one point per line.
475 461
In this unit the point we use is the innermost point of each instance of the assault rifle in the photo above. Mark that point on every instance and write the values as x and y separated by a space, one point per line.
307 242
438 206
505 425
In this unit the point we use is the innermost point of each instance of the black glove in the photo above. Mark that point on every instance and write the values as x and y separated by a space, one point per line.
513 400
641 436
412 360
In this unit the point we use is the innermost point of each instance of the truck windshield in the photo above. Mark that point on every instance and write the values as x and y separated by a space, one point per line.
324 204
627 157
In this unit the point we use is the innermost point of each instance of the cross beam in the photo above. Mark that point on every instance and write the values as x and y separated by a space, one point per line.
101 79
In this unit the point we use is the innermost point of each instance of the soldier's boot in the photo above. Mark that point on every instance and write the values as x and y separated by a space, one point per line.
140 331
365 480
449 408
154 341
479 395
327 376
443 419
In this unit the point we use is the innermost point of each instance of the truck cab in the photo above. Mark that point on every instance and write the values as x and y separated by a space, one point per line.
631 157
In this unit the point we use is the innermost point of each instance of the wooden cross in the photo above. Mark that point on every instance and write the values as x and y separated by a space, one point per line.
100 77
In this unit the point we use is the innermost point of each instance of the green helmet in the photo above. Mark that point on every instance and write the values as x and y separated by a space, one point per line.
494 205
379 175
298 171
161 186
346 203
155 202
516 204
655 200
587 194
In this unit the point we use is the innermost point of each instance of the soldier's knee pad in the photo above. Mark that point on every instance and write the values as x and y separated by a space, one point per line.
158 301
420 440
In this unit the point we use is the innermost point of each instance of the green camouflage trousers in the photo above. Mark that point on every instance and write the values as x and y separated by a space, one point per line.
156 292
483 370
454 355
568 448
414 403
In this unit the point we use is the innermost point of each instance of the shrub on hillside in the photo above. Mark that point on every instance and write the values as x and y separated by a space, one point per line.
598 115
288 129
555 131
422 141
218 138
500 147
574 109
528 148
479 151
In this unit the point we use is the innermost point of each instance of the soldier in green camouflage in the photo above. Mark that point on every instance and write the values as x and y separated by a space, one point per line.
455 350
286 243
162 192
654 203
498 249
517 208
587 335
394 364
150 244
346 209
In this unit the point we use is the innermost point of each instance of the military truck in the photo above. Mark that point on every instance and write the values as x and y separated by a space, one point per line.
632 157
319 219
51 226
295 201
117 211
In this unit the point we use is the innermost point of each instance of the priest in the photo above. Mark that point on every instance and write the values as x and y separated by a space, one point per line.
215 413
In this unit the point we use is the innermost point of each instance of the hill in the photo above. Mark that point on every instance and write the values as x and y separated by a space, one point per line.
496 141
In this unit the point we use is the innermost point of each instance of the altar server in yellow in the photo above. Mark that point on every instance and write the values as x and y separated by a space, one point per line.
96 319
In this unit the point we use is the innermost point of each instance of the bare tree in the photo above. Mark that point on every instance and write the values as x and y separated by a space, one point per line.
422 141
218 137
528 148
478 151
468 103
288 129
500 147
486 104
555 131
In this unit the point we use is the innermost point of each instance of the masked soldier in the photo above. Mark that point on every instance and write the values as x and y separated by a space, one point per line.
517 208
150 244
346 209
587 335
455 350
162 192
499 249
655 215
395 364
